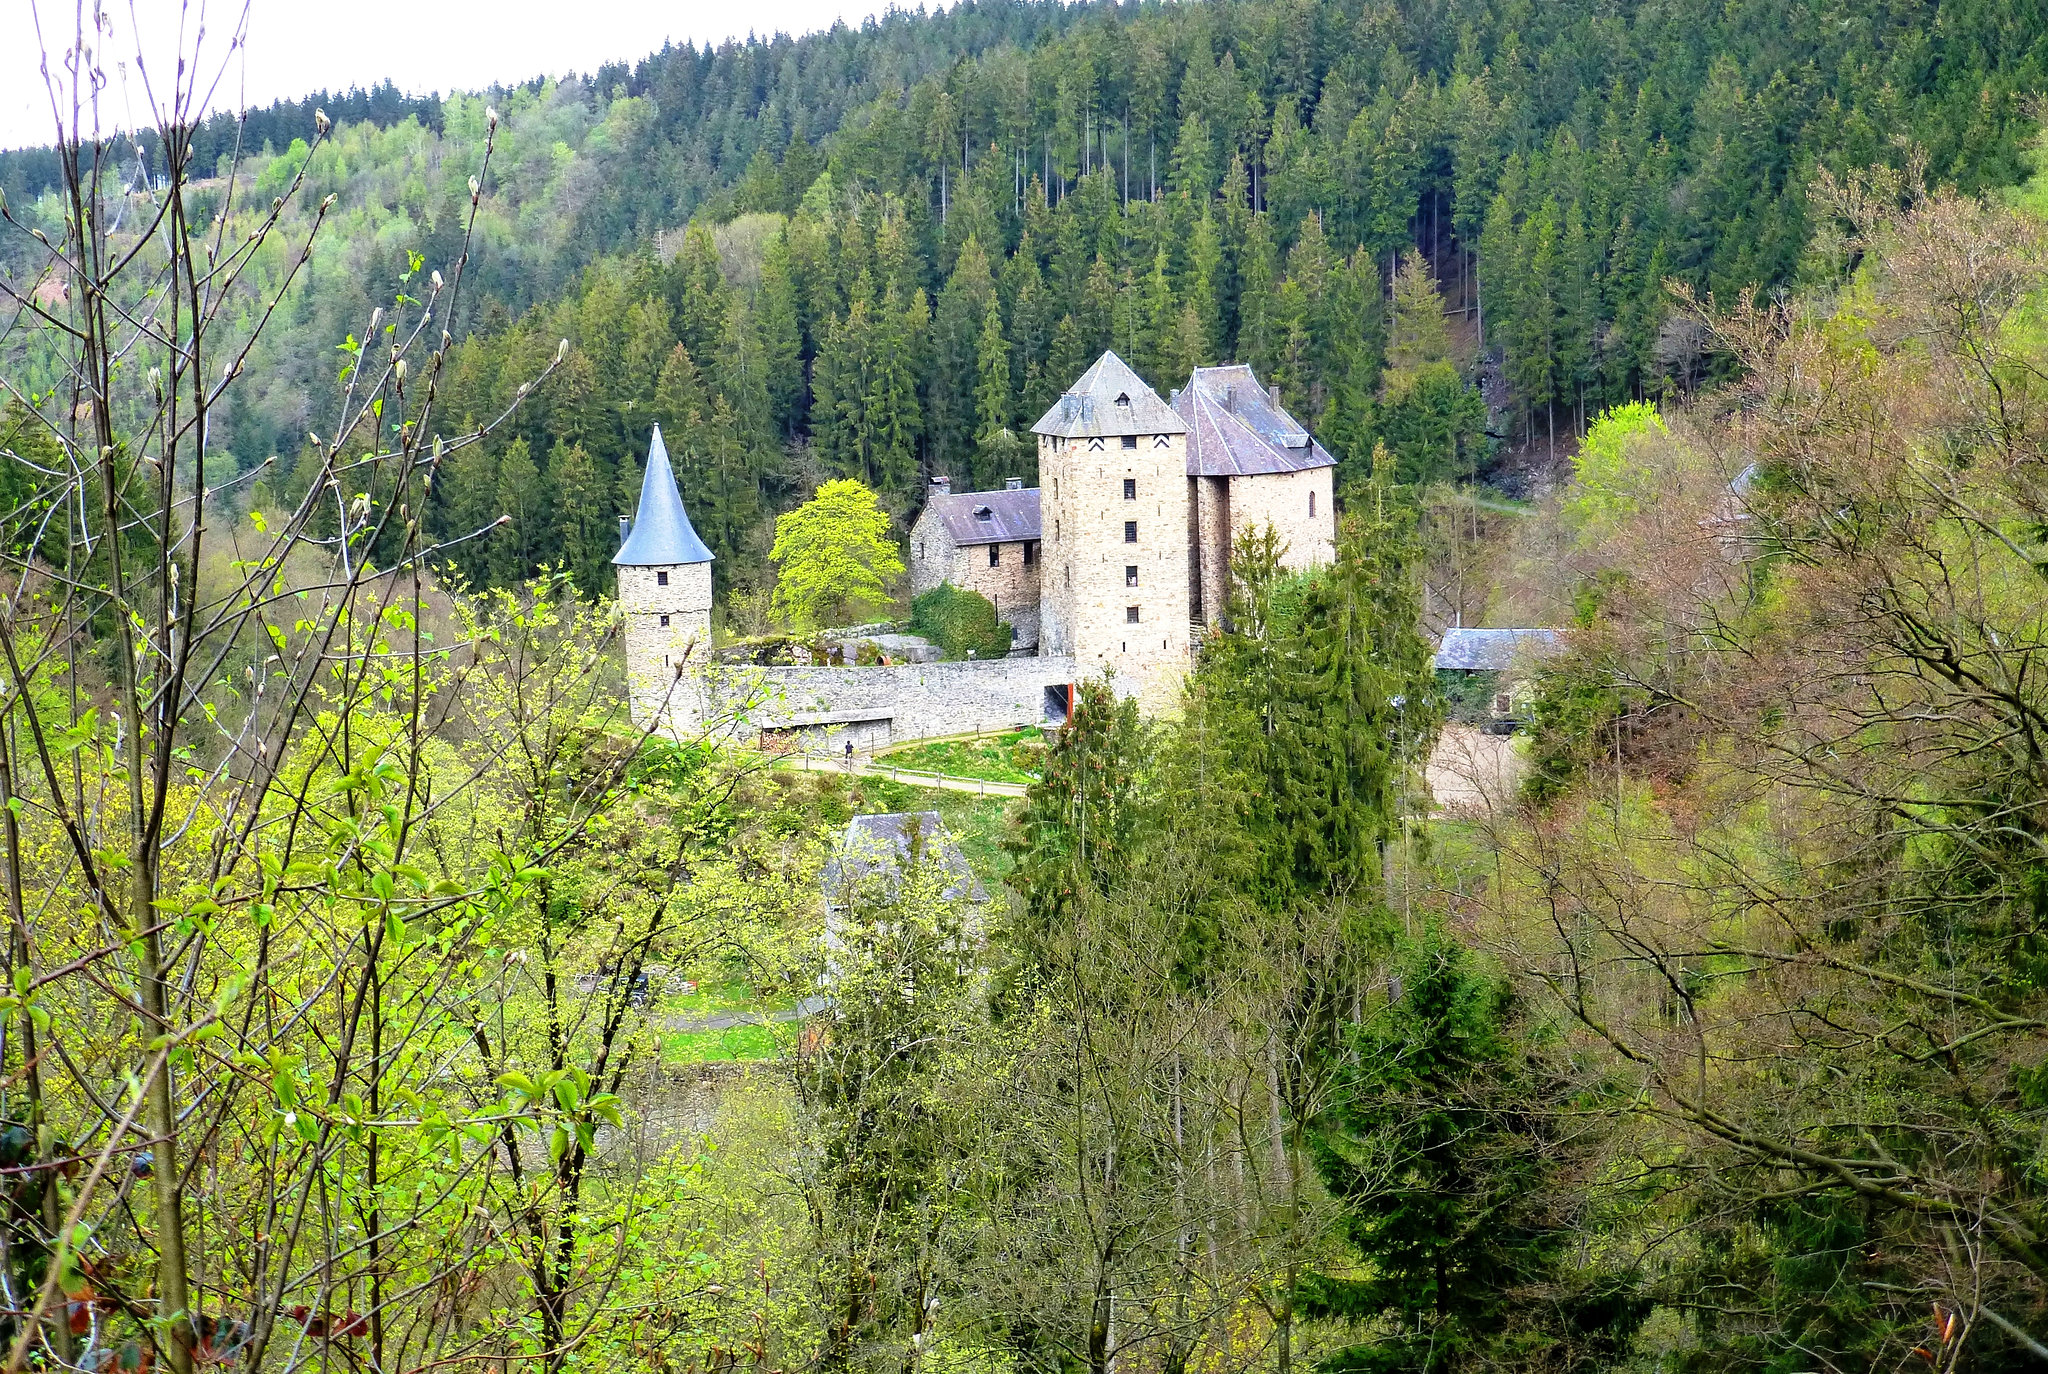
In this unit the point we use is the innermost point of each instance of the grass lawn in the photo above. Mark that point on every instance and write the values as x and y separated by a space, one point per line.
725 1046
1009 757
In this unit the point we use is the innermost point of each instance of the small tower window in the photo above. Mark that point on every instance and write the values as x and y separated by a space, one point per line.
1130 441
1130 574
995 555
661 579
1130 488
1131 615
1130 531
1311 505
664 622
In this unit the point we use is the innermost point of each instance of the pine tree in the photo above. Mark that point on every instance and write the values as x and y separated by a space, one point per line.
697 292
741 375
781 337
1079 827
1428 415
1441 1144
999 453
585 517
955 375
466 492
1259 336
516 549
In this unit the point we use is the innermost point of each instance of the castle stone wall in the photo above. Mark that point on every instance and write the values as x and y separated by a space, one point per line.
1283 499
877 707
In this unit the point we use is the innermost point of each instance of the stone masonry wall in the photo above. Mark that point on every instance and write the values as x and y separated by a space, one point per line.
1011 585
876 707
1283 498
654 651
1088 589
1209 535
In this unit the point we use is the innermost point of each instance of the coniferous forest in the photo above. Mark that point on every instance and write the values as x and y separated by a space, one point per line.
872 253
386 991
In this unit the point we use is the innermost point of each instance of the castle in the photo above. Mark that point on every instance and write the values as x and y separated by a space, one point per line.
1118 562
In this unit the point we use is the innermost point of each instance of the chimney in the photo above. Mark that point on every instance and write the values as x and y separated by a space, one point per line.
942 486
1013 484
625 527
1174 399
1273 394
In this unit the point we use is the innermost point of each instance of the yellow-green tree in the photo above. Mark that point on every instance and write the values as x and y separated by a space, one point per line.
832 552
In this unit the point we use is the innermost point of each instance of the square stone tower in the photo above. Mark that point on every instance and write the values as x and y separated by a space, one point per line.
665 596
1113 493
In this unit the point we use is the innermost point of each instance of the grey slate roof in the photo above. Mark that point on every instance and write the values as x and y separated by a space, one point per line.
1109 399
662 535
1494 651
877 846
1011 515
1237 429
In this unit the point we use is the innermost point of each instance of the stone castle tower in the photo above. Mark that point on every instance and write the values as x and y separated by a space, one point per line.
665 595
1113 481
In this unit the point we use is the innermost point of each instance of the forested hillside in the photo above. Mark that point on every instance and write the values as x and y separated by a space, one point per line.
904 240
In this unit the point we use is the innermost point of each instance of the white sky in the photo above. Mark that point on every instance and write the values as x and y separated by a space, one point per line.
297 46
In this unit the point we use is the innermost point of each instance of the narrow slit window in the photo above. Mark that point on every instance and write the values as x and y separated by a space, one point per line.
1030 552
1311 505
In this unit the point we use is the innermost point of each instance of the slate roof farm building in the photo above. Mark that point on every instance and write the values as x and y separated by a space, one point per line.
1485 674
1495 651
877 849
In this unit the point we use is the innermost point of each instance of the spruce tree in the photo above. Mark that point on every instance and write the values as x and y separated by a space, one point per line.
1446 1144
1078 830
585 518
1259 329
517 548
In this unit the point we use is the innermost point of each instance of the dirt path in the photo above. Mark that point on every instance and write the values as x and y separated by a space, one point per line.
868 768
1472 773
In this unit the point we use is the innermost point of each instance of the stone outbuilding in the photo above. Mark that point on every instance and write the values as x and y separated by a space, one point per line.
984 541
1489 675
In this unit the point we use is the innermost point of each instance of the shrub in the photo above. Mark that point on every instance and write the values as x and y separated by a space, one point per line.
958 620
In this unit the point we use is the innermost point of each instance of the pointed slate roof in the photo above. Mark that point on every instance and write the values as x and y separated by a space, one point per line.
1237 429
662 534
1109 399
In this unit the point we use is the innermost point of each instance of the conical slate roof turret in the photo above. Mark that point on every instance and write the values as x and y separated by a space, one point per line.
662 535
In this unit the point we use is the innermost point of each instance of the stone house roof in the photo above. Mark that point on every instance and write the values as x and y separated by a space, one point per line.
1109 399
1494 651
1237 428
877 847
662 535
987 517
